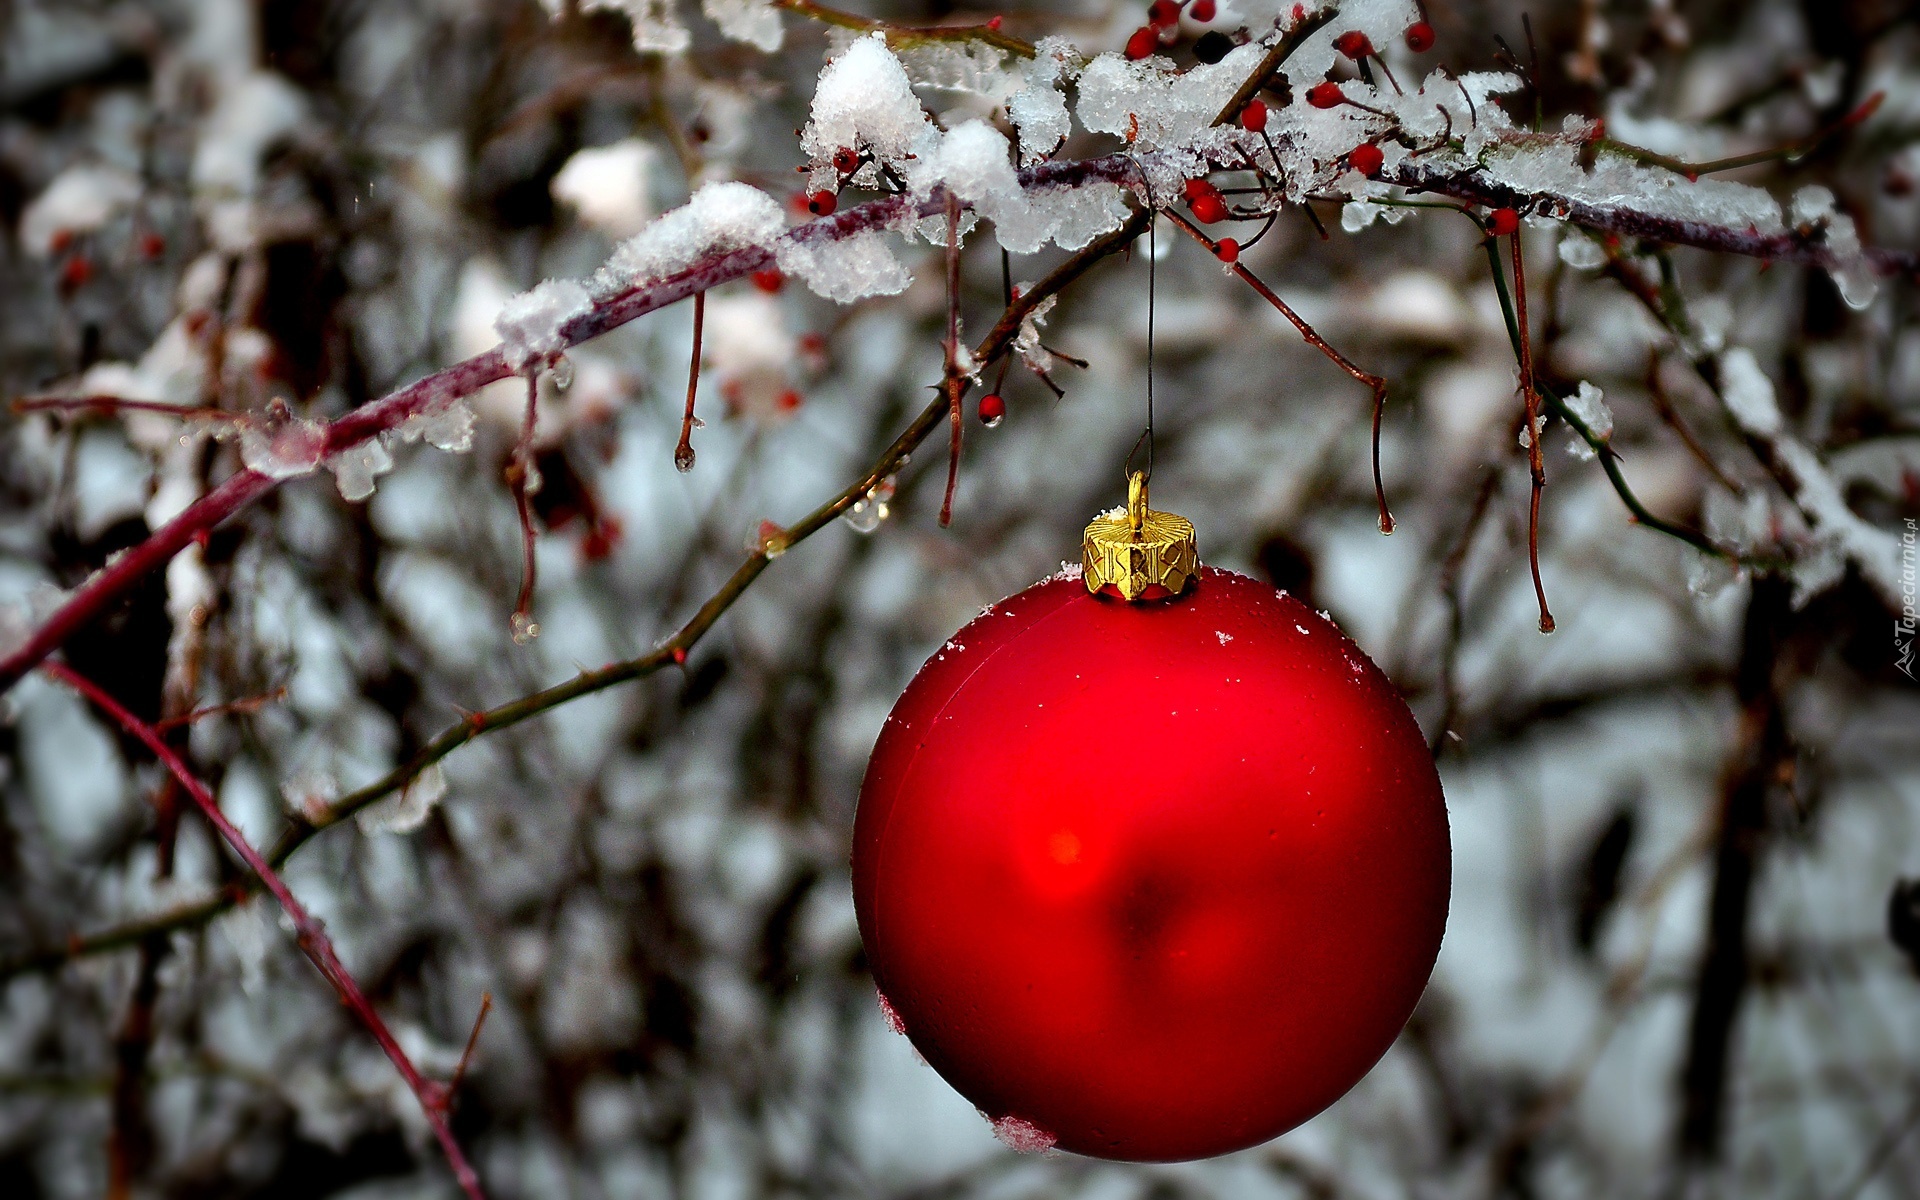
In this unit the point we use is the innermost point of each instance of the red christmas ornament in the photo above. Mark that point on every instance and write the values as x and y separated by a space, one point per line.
1150 880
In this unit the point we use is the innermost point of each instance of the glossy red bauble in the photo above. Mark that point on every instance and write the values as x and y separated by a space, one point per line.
1152 881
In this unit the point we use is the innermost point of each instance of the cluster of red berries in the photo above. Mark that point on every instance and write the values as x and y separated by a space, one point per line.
1205 201
1163 16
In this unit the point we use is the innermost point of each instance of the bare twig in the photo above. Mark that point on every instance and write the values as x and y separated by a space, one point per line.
953 382
1536 459
311 936
520 479
683 453
1375 383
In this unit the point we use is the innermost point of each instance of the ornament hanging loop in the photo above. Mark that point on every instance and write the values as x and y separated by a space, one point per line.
1139 554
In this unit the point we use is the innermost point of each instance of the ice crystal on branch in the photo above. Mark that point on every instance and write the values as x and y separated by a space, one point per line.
530 324
720 217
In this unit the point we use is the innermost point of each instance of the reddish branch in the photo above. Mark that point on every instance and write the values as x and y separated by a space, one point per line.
1530 394
311 936
955 382
683 453
520 478
464 378
1374 382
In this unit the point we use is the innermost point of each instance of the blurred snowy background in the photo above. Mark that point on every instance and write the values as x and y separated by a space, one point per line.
1678 820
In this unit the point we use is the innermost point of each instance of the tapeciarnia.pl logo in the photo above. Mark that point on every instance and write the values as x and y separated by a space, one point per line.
1904 624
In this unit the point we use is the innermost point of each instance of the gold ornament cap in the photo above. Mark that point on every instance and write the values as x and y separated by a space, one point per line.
1140 553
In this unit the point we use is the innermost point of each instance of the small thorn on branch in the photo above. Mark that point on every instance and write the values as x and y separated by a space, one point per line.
473 1041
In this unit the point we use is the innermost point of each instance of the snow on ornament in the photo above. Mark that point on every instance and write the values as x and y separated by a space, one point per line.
1150 863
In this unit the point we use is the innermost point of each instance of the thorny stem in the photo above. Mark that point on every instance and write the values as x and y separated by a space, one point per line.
520 478
473 1042
1375 383
1791 152
671 652
954 383
248 704
468 376
312 937
683 453
1275 57
1536 460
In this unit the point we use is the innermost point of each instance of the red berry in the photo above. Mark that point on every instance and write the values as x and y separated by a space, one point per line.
994 24
1196 188
1253 118
992 409
1353 44
822 204
680 655
77 271
1502 221
1145 41
1201 11
1208 208
769 280
60 242
1419 37
152 246
1227 250
1163 13
845 161
788 400
1366 159
1325 94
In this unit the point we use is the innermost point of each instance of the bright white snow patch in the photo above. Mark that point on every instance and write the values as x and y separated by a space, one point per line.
721 217
1749 393
1589 404
755 22
864 102
845 270
609 186
79 200
529 324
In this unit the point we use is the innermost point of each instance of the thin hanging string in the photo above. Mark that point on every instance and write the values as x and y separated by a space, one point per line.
1153 229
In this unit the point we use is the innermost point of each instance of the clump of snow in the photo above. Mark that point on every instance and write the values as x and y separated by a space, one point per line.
1589 405
1749 393
1813 213
847 269
409 808
1383 21
863 102
721 217
251 115
1027 341
1023 1136
79 200
356 467
282 447
610 186
1617 182
530 323
1038 110
755 22
1153 105
448 427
